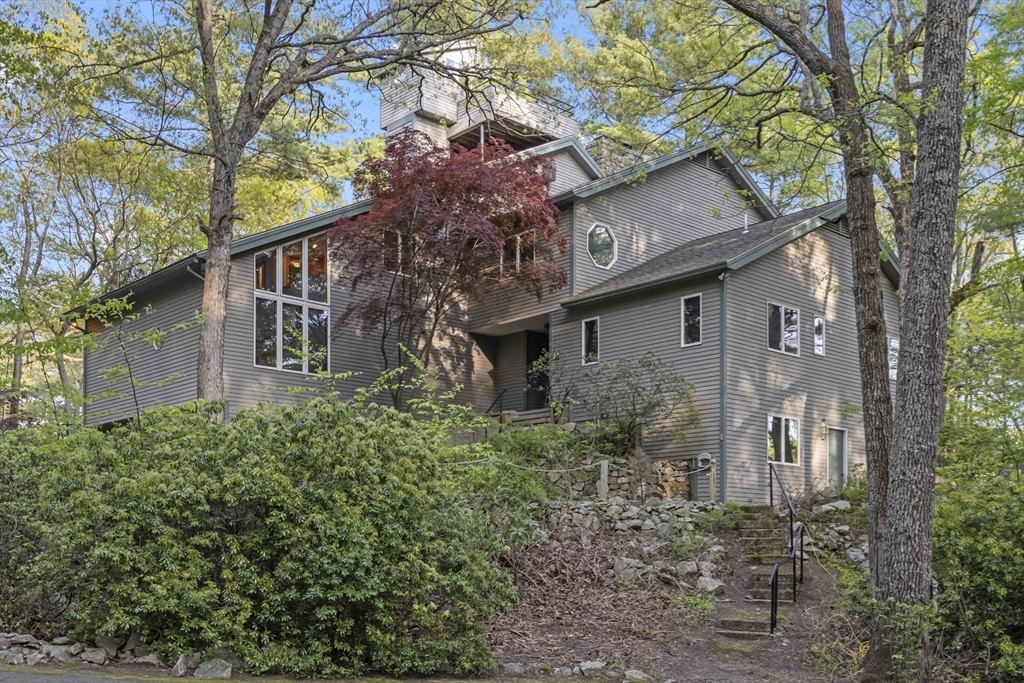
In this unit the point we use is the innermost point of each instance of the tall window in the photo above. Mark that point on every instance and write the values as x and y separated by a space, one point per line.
819 336
691 320
398 252
519 249
291 310
894 356
783 440
783 329
591 341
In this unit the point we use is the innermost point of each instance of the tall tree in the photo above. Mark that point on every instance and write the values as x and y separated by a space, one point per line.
223 79
928 261
447 227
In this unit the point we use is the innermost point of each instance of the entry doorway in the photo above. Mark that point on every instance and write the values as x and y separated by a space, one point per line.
836 474
536 385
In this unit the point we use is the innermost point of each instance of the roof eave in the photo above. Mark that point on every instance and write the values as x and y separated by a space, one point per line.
660 282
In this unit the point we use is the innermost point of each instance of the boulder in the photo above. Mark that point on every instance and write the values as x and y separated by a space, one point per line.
855 555
14 657
636 675
109 644
77 649
561 672
841 505
26 640
58 653
591 669
710 585
687 568
213 669
151 659
35 658
514 669
63 640
94 655
5 642
706 569
180 668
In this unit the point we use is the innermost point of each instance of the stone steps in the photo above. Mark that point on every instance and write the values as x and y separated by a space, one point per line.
743 635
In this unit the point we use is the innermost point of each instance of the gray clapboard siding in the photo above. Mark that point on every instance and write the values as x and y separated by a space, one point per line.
671 206
630 328
568 173
814 274
163 377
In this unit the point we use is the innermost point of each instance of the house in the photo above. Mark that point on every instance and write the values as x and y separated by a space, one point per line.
682 256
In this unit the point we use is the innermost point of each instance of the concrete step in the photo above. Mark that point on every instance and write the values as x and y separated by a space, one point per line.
785 594
753 507
747 535
769 558
756 515
743 635
757 524
767 545
755 625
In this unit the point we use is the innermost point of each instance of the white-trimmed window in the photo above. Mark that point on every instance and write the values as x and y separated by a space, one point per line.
819 335
783 329
398 252
519 249
602 246
591 340
292 311
691 320
893 347
783 440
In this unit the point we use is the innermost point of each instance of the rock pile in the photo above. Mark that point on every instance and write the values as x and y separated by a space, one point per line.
840 538
588 669
572 519
24 649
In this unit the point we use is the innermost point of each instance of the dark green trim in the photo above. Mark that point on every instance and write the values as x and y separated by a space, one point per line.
577 151
783 238
723 376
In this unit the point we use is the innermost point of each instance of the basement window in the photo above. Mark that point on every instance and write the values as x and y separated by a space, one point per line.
783 440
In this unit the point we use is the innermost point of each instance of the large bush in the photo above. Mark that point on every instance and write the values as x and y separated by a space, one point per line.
979 561
319 539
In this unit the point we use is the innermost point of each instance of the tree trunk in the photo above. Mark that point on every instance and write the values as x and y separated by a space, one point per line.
210 376
876 397
906 579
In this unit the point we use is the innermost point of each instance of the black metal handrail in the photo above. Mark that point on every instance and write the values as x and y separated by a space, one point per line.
497 402
796 529
773 586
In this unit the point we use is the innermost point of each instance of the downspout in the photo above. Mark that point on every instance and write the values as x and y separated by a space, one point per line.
723 412
572 251
195 260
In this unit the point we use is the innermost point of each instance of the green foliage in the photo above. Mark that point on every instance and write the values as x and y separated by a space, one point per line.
321 539
699 605
630 399
979 561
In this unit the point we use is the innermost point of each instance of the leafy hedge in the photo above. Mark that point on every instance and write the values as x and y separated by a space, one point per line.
315 540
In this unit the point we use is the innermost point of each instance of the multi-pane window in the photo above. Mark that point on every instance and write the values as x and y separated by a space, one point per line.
291 313
783 329
819 335
519 249
591 341
783 440
894 356
691 320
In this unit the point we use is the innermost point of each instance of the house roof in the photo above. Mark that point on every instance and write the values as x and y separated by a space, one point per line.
723 251
725 158
324 220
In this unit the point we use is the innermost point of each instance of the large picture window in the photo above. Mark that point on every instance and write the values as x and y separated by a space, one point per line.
291 313
783 329
691 320
783 440
591 341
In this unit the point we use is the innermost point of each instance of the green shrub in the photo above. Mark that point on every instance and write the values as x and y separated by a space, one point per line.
314 540
979 561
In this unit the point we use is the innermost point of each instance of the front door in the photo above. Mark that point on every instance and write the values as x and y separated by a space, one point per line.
536 392
836 458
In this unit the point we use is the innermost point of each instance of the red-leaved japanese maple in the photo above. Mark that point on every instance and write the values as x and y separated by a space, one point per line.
447 227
